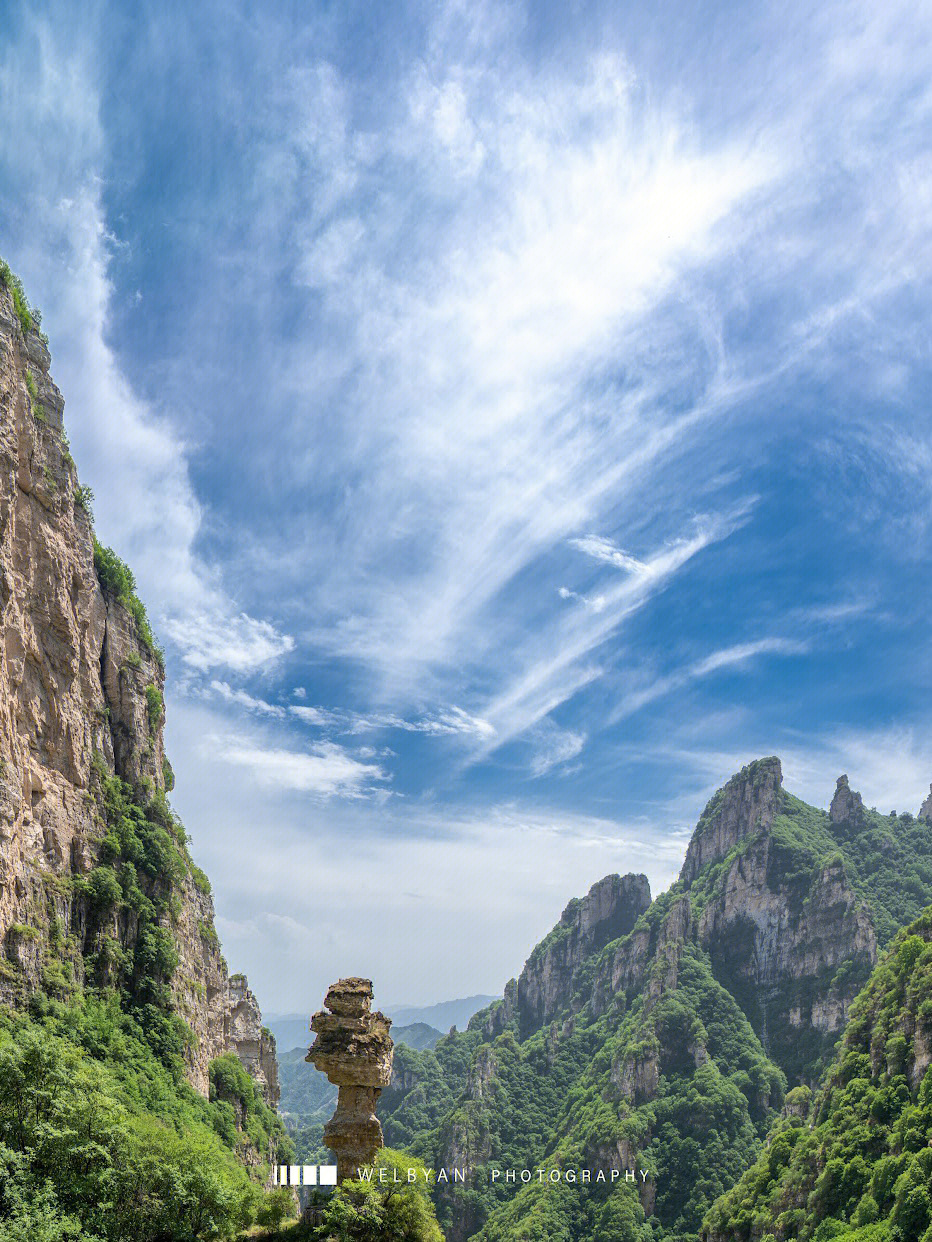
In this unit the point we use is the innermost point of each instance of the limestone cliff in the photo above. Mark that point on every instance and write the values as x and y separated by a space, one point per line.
785 930
608 911
81 710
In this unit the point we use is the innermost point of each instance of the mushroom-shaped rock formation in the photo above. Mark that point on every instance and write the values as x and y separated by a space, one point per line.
354 1049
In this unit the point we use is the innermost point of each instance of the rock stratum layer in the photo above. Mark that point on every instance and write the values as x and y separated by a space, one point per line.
83 773
354 1049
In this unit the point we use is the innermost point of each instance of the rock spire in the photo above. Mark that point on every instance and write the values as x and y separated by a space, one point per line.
846 804
354 1049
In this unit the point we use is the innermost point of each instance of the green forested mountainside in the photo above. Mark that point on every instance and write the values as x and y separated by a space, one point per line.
670 1055
416 1035
102 1139
855 1162
306 1093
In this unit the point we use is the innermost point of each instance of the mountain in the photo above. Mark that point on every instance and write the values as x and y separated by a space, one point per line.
660 1036
111 974
291 1030
417 1035
442 1016
855 1161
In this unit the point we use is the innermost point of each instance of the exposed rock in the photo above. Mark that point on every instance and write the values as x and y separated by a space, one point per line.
77 689
245 1035
609 911
776 945
354 1049
846 804
745 806
925 811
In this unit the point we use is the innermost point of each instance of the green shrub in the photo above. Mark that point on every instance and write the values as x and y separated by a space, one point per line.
104 889
117 579
369 1209
155 706
28 316
83 497
98 1142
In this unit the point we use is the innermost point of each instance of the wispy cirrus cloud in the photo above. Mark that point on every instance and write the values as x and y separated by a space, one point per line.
449 721
323 770
738 656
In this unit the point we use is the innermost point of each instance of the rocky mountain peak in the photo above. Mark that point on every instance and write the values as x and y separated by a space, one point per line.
743 807
925 811
609 910
846 804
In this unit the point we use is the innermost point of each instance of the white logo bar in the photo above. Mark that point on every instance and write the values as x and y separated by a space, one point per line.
306 1175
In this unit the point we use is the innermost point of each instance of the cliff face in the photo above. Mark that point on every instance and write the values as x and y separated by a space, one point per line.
857 1152
80 705
609 910
784 928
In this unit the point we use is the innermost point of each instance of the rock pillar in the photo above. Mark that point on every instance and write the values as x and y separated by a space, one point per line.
354 1049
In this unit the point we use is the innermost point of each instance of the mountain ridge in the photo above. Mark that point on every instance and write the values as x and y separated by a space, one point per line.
680 1034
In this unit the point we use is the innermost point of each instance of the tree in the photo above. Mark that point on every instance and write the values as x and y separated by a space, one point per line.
391 1205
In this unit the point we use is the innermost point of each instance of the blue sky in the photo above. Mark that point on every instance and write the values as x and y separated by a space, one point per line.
517 417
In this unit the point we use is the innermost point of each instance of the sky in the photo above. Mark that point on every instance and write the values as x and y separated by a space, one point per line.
517 419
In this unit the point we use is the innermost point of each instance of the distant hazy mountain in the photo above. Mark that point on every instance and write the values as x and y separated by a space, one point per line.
291 1030
418 1035
443 1015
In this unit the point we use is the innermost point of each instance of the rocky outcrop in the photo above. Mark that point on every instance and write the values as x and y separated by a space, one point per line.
743 807
354 1049
925 811
778 945
81 701
245 1035
846 804
609 911
778 938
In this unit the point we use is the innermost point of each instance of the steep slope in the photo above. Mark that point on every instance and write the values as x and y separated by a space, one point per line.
855 1162
99 898
658 1035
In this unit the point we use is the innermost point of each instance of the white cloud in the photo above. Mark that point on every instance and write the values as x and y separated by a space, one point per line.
604 550
445 721
410 898
231 695
325 770
132 453
727 657
553 747
221 639
577 209
560 667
